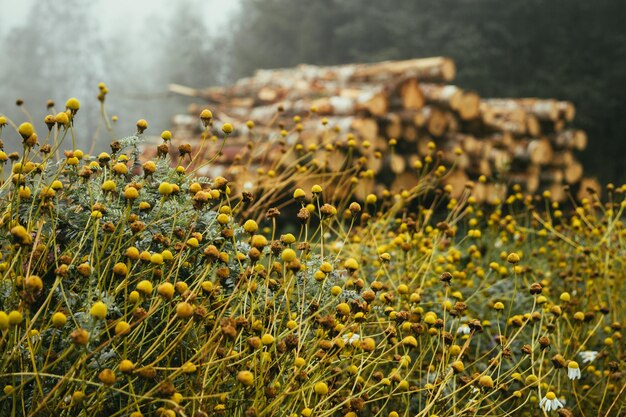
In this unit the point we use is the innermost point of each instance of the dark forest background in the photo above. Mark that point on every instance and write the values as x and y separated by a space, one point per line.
567 49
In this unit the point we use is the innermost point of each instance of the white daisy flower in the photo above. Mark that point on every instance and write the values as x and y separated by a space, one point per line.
338 245
550 402
573 370
588 356
350 338
34 336
463 329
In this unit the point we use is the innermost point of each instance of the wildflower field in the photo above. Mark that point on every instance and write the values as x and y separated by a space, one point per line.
135 287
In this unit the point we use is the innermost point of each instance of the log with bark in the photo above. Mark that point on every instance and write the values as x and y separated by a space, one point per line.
570 139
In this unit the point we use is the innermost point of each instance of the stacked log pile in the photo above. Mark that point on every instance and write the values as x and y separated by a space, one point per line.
395 111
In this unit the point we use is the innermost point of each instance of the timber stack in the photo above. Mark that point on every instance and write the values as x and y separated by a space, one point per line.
391 116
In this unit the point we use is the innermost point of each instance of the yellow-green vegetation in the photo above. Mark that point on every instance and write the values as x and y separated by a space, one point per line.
131 288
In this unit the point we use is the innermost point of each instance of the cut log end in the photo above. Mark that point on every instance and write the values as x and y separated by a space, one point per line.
533 127
411 95
436 124
457 180
469 106
573 172
589 188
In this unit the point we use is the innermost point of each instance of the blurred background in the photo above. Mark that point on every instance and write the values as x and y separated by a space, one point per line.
568 49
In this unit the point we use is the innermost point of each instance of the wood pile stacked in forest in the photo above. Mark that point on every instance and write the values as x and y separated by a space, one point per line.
525 141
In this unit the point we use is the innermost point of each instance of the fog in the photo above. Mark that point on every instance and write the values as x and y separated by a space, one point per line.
60 49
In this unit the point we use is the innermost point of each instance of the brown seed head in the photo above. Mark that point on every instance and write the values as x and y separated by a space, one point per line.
536 288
